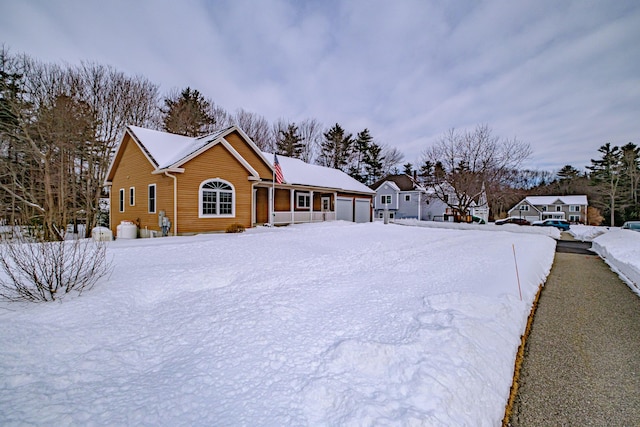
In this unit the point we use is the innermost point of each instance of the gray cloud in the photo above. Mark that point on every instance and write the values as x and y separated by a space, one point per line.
562 76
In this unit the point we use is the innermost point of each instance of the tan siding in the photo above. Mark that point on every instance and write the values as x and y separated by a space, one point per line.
239 144
216 162
134 170
283 200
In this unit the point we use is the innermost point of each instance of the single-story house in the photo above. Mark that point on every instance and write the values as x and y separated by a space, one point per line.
212 182
536 208
401 196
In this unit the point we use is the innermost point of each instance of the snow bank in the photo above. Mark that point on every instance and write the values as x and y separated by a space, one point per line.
323 324
587 233
621 250
512 228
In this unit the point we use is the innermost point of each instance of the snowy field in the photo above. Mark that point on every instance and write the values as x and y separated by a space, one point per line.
323 324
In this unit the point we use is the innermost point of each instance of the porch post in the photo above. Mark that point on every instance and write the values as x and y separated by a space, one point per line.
311 207
292 206
272 213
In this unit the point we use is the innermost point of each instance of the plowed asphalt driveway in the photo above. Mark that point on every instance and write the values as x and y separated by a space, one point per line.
582 357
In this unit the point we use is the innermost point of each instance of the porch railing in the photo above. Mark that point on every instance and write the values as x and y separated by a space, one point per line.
285 217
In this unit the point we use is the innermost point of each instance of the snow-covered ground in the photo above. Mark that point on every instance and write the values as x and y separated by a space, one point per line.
320 324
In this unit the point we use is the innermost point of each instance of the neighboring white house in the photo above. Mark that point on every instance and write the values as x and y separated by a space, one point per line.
536 208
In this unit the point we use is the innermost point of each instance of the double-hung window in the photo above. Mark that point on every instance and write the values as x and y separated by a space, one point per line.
385 199
217 199
152 198
132 196
303 200
574 208
121 200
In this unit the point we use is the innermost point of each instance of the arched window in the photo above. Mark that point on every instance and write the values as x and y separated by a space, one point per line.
217 199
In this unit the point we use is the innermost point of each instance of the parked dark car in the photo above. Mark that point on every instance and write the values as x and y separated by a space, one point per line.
631 225
512 220
560 224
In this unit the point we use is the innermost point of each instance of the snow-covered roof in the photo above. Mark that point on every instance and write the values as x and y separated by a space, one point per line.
550 200
391 184
298 172
167 149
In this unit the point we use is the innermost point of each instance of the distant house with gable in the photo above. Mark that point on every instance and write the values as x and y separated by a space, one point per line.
211 182
536 208
403 197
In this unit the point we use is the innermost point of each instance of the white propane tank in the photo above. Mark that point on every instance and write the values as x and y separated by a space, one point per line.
101 234
127 230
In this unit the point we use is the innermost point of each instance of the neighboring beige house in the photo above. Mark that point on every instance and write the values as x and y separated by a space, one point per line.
215 181
536 208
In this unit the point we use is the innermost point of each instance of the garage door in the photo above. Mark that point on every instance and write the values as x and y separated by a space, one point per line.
363 213
344 208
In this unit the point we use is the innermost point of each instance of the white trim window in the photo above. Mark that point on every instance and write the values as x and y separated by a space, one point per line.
524 208
151 197
574 218
574 208
407 197
303 200
216 199
385 199
132 196
558 208
121 200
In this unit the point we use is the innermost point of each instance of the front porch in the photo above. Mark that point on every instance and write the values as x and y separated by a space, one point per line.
292 205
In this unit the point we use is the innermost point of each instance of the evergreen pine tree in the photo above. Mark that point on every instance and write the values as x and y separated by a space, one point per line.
188 114
336 149
374 163
360 149
290 142
605 176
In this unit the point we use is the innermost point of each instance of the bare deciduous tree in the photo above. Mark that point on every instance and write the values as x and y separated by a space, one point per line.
65 123
256 127
471 159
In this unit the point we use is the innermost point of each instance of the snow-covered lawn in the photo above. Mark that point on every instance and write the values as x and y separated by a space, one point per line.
323 324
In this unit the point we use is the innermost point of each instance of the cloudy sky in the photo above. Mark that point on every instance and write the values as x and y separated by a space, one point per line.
563 76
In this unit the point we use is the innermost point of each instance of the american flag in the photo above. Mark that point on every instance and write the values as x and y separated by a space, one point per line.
278 169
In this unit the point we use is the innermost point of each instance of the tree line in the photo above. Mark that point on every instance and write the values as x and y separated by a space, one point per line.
60 124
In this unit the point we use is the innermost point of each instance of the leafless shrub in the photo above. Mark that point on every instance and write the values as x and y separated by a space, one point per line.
235 228
47 271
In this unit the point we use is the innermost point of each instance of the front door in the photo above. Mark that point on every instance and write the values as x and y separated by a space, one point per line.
326 204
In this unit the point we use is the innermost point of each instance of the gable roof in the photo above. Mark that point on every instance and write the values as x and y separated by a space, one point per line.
391 184
167 151
298 172
403 181
550 200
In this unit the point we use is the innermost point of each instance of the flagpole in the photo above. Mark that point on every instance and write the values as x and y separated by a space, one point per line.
273 191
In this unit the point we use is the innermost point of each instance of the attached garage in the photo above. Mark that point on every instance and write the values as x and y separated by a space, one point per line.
344 209
363 210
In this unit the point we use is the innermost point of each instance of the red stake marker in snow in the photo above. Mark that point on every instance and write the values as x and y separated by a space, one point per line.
517 274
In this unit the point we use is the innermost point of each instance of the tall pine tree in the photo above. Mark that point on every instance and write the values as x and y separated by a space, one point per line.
188 114
290 143
336 149
605 176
